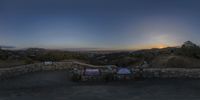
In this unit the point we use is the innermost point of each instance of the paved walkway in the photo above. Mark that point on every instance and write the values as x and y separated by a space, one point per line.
56 86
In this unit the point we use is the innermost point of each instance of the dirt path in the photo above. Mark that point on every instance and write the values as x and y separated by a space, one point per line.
56 86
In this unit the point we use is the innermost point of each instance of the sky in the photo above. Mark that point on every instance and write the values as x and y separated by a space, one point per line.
102 24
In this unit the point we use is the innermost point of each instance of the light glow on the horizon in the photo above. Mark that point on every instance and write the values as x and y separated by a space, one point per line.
102 25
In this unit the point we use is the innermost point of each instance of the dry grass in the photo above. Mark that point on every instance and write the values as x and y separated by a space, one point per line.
11 63
174 61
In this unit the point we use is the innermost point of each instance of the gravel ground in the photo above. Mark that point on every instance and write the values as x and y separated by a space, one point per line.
57 86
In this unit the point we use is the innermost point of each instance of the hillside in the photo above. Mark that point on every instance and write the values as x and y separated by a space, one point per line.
185 56
175 61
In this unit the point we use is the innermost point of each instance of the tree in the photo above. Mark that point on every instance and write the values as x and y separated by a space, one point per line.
190 49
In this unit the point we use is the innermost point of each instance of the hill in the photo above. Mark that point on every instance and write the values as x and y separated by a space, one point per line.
186 56
175 61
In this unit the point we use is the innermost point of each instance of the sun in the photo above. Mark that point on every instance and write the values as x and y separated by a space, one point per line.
162 46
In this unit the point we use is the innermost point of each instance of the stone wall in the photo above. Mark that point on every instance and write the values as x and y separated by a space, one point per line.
147 72
171 73
19 70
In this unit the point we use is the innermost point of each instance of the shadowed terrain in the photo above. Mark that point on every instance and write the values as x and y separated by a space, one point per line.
55 85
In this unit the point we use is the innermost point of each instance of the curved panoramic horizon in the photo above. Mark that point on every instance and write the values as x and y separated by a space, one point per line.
99 24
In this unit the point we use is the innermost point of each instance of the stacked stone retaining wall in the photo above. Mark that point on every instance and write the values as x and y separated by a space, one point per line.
19 70
171 73
147 72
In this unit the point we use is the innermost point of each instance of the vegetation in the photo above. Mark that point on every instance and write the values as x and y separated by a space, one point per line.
190 49
9 58
171 56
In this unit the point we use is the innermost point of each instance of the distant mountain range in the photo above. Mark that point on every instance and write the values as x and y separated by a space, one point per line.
6 47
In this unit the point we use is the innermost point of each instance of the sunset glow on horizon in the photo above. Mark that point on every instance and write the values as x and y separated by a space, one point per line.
100 24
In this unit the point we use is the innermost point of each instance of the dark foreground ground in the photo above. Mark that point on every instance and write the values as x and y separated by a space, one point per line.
56 86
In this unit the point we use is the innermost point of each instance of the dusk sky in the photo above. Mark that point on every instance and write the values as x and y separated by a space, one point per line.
103 24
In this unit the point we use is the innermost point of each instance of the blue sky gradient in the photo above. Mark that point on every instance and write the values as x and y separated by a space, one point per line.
104 24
